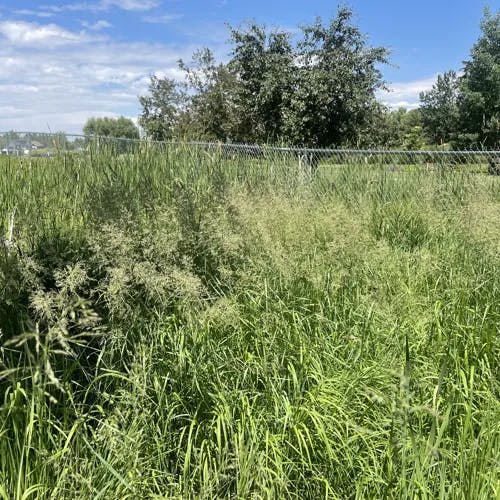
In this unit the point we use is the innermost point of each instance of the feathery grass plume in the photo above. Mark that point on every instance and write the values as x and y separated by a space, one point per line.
178 324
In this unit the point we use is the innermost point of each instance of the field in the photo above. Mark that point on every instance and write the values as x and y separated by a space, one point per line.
179 325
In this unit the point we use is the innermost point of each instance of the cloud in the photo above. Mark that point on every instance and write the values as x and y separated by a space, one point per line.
164 19
73 76
97 26
83 6
406 94
102 5
33 34
34 13
137 5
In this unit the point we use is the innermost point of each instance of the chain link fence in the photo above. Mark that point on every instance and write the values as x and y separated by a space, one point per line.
33 144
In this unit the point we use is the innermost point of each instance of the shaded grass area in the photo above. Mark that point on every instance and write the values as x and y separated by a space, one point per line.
176 325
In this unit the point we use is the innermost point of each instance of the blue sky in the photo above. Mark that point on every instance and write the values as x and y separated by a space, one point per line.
62 62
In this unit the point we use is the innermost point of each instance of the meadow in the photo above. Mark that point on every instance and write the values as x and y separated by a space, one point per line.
174 324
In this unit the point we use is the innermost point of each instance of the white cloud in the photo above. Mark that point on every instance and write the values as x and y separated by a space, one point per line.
164 19
7 88
131 5
35 13
72 76
83 6
97 26
406 94
32 34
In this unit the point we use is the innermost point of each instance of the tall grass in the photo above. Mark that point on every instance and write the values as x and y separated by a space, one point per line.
179 325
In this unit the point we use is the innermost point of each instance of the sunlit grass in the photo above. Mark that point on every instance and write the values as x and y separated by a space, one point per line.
180 325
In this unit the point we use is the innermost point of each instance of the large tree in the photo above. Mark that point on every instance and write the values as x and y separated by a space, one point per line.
243 100
264 64
480 88
439 108
210 111
337 77
121 127
318 90
162 108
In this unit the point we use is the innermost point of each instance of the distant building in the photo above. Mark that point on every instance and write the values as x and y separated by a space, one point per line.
19 147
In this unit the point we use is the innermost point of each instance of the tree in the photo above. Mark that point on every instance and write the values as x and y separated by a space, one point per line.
395 129
414 139
121 127
243 100
162 108
337 76
319 91
439 108
263 63
210 112
479 103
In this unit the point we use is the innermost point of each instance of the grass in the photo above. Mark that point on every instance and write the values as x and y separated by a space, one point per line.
179 325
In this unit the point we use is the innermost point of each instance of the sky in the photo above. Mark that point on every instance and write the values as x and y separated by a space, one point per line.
63 62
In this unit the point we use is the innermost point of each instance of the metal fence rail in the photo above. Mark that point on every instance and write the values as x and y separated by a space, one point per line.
35 144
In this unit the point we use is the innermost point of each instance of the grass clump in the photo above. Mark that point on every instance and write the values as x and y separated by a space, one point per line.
177 325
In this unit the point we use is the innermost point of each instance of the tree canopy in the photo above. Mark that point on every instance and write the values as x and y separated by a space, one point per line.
439 108
480 87
466 110
318 87
121 127
315 88
161 108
